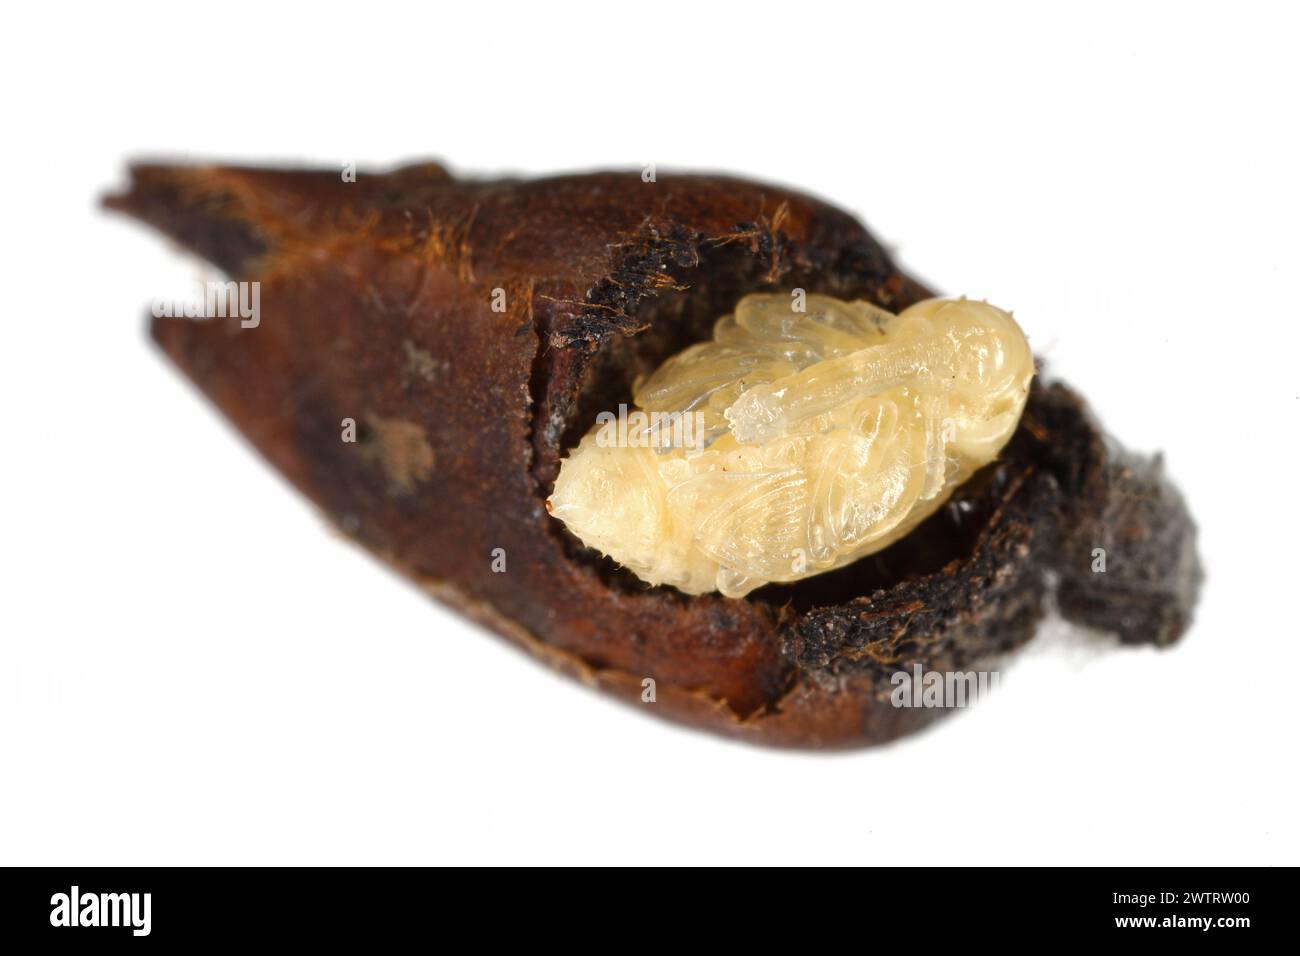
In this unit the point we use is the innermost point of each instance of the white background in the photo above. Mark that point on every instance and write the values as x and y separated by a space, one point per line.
194 669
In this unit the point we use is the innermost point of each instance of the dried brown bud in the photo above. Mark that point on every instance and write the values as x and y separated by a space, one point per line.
474 329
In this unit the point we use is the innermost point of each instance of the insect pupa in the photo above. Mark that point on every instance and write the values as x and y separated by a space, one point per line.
820 437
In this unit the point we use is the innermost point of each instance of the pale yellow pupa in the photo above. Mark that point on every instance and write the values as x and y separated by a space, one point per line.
795 441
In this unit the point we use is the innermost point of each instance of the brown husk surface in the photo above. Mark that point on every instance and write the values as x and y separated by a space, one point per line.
376 305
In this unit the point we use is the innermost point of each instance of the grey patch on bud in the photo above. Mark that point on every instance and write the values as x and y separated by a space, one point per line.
400 449
421 364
